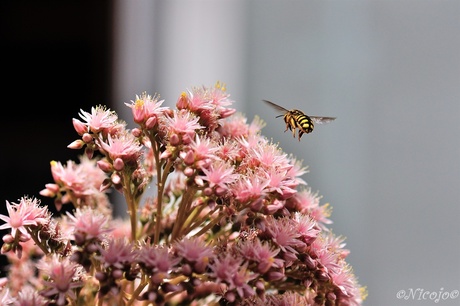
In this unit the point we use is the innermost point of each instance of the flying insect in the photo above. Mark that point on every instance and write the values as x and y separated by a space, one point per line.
296 119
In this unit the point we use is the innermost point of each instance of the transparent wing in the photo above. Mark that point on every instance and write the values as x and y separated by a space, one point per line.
322 120
276 106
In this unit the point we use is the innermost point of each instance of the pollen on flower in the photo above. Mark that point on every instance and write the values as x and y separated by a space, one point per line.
220 86
139 103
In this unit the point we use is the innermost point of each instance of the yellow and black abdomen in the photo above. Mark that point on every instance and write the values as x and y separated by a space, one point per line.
301 121
304 123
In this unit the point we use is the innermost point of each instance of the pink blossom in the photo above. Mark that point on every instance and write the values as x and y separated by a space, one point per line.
117 253
209 104
262 253
224 267
279 182
229 150
29 296
156 261
234 127
99 119
284 233
307 227
70 176
219 174
203 148
60 279
90 223
307 202
195 252
251 187
24 214
224 221
183 125
126 147
147 109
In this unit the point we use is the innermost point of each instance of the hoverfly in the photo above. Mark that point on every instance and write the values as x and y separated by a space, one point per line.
296 119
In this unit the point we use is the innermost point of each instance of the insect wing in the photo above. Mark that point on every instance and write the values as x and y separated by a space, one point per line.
280 108
321 120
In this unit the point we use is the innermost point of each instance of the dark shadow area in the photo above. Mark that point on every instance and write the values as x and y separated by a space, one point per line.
56 60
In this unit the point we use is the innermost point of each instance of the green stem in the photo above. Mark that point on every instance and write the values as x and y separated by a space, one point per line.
191 223
132 205
184 206
161 188
209 225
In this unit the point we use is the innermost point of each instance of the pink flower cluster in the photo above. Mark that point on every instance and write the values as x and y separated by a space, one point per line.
231 222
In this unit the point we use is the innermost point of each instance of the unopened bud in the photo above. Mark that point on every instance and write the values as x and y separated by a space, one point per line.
118 164
77 144
79 126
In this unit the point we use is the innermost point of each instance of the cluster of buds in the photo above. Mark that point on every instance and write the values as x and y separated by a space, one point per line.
231 221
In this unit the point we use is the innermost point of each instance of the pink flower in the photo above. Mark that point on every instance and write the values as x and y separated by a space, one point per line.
296 171
195 252
125 147
279 182
89 223
29 296
208 104
219 174
349 292
270 156
229 150
233 271
224 267
182 125
234 127
118 253
250 187
99 119
6 298
71 177
284 233
307 202
203 148
262 253
22 215
147 109
307 227
156 261
60 280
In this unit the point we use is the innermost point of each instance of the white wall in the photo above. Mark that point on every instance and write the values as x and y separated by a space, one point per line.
389 70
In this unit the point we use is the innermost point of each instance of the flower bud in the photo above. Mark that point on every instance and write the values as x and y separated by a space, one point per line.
189 172
182 102
105 166
8 238
151 122
79 126
118 164
174 140
6 247
87 138
137 132
77 144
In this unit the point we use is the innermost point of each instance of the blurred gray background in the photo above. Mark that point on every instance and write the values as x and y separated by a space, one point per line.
389 70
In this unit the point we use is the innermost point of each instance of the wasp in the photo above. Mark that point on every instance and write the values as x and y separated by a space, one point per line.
296 119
